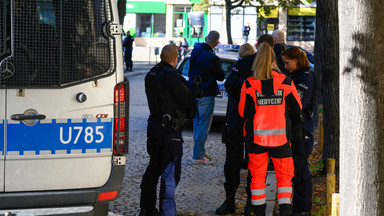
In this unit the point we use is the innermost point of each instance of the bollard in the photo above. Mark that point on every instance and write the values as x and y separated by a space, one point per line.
335 204
331 165
156 50
320 128
331 179
330 190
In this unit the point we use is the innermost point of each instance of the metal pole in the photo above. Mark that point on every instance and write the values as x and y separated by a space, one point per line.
150 40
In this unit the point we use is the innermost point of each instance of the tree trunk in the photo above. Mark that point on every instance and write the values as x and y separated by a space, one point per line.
228 8
121 7
361 107
327 71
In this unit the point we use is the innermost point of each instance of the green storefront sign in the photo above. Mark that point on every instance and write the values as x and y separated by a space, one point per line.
145 7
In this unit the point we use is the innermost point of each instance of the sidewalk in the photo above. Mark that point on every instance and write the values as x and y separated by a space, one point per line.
139 67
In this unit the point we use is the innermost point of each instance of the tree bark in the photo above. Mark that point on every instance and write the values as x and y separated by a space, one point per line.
361 107
121 7
228 22
327 71
228 8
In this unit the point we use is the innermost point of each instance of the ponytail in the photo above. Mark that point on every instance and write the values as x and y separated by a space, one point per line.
262 65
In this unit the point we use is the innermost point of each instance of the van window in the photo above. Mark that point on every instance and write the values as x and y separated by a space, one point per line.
5 48
57 43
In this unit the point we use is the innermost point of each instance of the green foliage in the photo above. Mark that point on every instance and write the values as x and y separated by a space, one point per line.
323 207
286 4
316 167
202 6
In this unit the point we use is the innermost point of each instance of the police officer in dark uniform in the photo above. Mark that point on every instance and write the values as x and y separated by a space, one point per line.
170 101
128 47
296 62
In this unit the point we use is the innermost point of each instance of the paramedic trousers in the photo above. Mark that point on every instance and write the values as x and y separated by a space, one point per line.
164 147
283 164
234 161
302 182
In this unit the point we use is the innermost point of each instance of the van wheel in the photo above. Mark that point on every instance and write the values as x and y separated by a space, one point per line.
101 209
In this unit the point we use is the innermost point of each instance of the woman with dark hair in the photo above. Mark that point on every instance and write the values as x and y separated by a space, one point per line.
296 62
270 104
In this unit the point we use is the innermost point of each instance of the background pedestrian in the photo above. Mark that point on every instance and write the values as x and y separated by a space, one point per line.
127 45
246 30
279 47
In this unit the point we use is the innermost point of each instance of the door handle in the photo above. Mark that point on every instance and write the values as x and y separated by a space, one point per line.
21 117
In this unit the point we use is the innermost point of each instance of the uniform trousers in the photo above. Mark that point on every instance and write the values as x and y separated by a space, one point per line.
164 146
234 162
302 181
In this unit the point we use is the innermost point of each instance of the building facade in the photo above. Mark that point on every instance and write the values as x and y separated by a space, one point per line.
157 22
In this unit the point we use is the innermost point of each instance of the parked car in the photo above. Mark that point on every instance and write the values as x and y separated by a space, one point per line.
228 59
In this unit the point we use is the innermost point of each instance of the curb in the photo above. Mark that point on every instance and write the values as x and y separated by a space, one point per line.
136 73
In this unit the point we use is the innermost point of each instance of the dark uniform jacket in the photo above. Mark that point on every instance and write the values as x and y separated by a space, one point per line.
205 63
305 83
128 42
167 91
239 73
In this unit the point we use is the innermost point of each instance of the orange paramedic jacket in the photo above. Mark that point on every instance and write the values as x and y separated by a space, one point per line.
268 107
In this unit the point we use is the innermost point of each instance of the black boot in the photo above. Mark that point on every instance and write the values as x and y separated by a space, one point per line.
229 206
285 209
307 213
149 212
255 210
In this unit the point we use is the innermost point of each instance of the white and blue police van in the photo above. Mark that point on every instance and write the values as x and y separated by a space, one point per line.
63 107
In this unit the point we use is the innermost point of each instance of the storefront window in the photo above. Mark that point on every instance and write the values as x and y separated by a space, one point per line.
216 13
267 26
159 25
268 21
144 24
180 19
301 24
240 17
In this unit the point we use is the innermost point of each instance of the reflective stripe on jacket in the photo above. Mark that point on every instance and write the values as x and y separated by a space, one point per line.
266 105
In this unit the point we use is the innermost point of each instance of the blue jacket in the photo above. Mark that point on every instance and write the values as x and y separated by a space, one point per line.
206 64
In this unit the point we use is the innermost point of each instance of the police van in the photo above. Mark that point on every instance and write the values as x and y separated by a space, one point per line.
63 107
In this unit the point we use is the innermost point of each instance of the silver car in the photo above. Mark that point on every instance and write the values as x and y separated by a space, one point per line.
228 59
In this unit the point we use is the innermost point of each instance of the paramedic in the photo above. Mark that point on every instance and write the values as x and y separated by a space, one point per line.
269 102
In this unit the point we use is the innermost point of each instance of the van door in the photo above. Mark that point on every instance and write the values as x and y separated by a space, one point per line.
5 51
59 102
2 131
